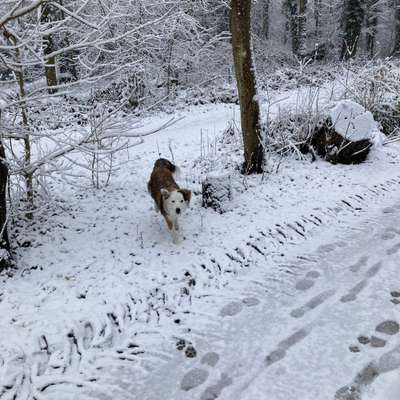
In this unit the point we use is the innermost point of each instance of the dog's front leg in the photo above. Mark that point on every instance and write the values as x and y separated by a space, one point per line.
173 230
175 236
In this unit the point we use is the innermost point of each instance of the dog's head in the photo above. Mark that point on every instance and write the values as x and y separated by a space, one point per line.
175 202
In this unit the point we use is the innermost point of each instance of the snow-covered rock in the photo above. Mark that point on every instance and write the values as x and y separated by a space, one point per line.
354 122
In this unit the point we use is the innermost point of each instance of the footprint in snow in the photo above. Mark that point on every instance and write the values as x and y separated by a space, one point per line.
389 234
251 301
393 250
326 248
194 378
308 281
359 264
388 328
211 359
388 361
231 309
285 345
388 210
214 391
189 349
395 297
304 284
313 274
197 376
312 303
360 286
235 307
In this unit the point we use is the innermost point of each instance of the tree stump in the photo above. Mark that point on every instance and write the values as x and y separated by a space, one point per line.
216 192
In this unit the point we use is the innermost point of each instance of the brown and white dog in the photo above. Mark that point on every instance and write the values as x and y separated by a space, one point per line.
168 197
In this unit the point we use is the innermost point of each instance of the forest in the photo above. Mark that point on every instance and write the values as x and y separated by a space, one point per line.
282 118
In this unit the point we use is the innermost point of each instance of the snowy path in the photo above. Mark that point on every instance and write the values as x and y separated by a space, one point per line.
266 298
303 341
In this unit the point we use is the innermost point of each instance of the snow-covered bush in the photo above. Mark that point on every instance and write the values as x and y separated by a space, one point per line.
286 133
376 86
347 121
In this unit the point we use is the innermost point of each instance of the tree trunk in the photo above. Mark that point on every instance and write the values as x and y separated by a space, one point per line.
295 12
317 17
50 67
27 140
20 78
396 47
371 22
353 16
266 19
290 10
302 31
246 83
66 62
48 48
4 242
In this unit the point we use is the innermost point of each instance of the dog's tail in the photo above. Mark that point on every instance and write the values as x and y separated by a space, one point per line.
164 163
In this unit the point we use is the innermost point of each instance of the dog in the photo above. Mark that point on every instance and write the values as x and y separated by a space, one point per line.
169 199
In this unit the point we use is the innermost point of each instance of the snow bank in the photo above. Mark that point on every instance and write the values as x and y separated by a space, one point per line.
354 122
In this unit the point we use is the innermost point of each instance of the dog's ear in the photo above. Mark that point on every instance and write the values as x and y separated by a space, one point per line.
165 193
187 194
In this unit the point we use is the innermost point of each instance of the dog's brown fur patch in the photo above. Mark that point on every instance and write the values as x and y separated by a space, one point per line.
186 193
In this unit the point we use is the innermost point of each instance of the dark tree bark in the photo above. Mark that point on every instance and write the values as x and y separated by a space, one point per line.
302 23
371 22
246 83
317 17
4 242
352 19
296 17
290 12
266 19
396 47
66 63
49 15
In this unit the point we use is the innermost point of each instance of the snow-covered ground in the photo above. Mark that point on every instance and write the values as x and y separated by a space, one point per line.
267 300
